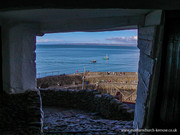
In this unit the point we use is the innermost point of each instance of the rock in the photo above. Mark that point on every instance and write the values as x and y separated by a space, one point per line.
130 123
95 113
45 128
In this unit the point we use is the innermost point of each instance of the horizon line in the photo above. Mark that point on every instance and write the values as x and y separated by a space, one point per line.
108 44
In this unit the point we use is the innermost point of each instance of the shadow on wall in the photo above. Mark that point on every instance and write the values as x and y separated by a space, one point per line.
21 113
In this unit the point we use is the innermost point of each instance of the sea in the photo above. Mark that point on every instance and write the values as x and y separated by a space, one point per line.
55 59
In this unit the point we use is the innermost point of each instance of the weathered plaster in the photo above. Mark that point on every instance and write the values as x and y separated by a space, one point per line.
19 68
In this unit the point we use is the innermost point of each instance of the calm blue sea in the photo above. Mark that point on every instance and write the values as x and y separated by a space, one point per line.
69 59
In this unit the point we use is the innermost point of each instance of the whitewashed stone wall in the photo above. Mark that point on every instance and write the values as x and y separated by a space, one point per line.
145 70
149 43
19 69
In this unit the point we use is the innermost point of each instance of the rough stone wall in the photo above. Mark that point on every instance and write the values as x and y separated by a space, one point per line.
148 42
90 100
146 64
150 37
21 113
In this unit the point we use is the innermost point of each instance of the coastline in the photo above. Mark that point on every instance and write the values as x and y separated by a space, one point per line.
104 82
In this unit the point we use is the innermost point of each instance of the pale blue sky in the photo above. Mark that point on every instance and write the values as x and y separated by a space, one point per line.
123 37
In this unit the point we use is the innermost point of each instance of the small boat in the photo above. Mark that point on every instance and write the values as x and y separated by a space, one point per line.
106 58
93 61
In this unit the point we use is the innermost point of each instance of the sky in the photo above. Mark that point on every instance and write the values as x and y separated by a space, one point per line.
123 37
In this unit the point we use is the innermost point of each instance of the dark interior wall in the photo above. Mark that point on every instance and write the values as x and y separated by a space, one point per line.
131 4
21 114
167 109
1 61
